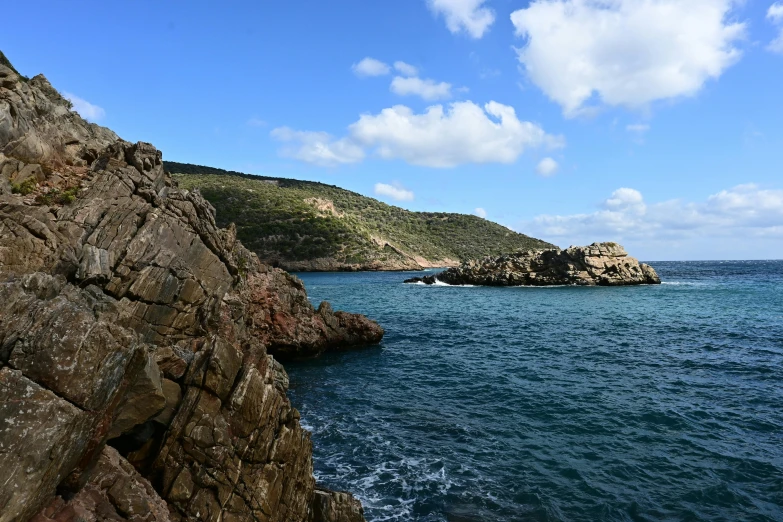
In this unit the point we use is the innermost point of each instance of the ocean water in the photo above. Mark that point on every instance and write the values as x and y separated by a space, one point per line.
556 404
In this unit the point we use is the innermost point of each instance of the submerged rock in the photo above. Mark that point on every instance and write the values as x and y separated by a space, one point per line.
599 264
137 378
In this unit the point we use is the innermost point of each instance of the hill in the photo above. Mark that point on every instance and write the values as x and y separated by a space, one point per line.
309 226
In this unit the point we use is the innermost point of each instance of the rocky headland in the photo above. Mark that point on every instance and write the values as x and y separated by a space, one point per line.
599 264
139 342
314 227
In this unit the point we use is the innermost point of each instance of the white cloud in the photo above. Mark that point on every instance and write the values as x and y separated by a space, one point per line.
370 67
737 214
396 191
406 69
480 212
637 128
427 89
86 110
775 15
547 167
627 52
469 16
462 133
256 122
318 148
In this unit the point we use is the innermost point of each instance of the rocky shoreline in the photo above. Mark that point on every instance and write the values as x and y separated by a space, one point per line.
599 264
139 342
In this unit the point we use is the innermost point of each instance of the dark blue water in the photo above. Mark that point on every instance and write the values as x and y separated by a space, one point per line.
578 404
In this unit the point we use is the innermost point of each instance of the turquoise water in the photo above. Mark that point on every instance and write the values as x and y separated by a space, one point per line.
574 404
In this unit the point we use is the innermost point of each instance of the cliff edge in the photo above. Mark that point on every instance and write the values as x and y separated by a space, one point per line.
139 342
599 264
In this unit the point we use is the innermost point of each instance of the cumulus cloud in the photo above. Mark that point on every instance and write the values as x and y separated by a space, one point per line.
439 137
625 52
86 110
546 167
461 133
397 192
427 89
406 69
480 212
744 211
775 15
468 16
370 67
318 148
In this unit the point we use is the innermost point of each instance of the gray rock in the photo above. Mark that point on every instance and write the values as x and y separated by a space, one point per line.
128 313
601 264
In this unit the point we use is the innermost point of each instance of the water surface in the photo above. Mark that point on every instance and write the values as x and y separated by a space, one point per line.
556 404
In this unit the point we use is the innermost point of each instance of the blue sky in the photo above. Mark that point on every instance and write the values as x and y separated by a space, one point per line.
656 123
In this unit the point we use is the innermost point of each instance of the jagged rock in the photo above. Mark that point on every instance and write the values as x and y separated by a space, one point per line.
336 506
602 264
143 400
127 315
42 437
115 492
37 125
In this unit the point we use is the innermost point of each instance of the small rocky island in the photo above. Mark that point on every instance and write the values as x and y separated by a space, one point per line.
599 264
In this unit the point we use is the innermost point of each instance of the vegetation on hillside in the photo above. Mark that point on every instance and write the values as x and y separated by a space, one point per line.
286 221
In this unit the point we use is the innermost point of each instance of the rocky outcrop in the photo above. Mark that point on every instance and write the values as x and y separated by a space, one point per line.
601 264
137 377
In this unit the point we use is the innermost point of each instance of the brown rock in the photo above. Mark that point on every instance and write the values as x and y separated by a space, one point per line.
42 437
115 492
335 506
144 399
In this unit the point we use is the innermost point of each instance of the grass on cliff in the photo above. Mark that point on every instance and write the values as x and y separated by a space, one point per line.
278 219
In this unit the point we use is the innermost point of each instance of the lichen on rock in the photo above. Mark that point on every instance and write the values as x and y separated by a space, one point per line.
137 377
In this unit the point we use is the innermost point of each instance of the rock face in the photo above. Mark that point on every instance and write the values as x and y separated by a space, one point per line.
137 377
601 264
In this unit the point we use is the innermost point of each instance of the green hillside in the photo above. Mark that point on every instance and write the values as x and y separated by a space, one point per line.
303 225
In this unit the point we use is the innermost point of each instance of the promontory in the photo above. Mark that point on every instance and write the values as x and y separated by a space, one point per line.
140 342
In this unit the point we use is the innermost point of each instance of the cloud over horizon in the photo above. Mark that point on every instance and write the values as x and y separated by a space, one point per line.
318 148
741 212
86 110
396 192
625 52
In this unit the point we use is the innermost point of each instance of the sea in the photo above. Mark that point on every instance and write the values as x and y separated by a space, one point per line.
647 403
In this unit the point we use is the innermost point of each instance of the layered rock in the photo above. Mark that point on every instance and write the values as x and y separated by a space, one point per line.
601 264
129 318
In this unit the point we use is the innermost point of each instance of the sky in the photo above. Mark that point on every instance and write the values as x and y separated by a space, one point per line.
654 123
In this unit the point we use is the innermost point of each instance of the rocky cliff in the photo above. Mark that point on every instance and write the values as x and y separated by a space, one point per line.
139 342
602 264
